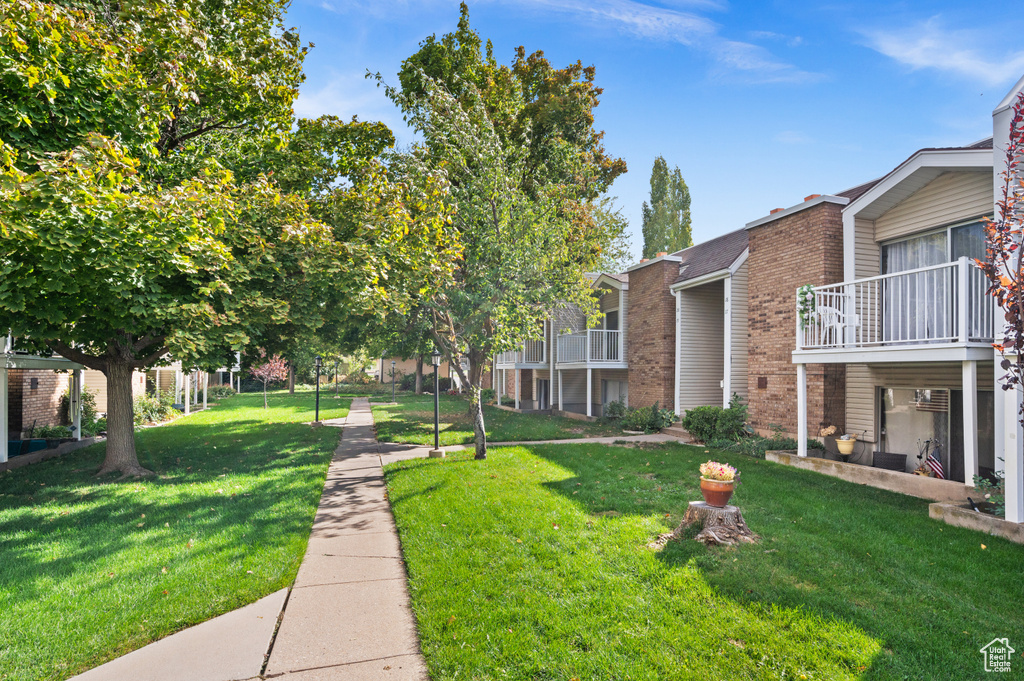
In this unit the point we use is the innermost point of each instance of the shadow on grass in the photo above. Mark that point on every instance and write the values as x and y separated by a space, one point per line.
933 594
98 567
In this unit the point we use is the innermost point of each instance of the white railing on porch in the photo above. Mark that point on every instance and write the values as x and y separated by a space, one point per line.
595 346
532 352
938 304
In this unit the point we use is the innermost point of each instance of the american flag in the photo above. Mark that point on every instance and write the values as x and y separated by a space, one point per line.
935 465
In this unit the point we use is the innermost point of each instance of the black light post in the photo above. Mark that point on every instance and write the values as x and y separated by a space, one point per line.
336 378
436 452
392 380
317 364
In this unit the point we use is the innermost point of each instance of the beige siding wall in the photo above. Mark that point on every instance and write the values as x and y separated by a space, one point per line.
96 383
867 262
738 351
948 198
701 356
862 380
574 387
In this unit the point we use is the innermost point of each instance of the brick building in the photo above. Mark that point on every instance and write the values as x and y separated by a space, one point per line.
790 248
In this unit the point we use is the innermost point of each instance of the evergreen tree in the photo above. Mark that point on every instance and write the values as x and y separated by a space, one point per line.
666 219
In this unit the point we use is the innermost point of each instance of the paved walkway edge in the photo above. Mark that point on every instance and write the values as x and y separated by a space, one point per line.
349 614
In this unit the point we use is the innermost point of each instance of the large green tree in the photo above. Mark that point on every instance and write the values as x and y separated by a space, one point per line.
666 219
136 216
525 164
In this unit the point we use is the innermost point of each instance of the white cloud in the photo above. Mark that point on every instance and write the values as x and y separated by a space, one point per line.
929 45
686 28
675 21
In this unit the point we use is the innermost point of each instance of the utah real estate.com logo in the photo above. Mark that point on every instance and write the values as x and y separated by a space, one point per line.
997 655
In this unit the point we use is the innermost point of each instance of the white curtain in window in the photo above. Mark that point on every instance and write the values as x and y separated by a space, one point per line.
917 306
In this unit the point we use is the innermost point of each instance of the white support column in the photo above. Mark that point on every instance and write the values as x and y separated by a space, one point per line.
231 378
75 393
801 410
3 414
206 386
560 390
499 381
517 372
177 385
970 392
195 390
1013 455
675 354
590 408
962 288
187 391
727 360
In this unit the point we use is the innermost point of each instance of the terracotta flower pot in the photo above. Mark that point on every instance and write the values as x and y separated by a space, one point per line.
716 492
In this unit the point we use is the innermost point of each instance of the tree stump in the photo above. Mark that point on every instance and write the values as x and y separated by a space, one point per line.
719 526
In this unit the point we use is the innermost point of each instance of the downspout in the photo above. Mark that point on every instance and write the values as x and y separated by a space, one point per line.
675 353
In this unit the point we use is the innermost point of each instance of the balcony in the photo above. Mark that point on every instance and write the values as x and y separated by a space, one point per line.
533 355
595 347
925 314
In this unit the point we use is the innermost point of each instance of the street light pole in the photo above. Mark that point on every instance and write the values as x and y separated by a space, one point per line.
392 380
436 452
317 363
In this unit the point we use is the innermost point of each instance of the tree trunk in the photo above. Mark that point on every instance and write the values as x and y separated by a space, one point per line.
419 374
477 361
121 456
291 381
265 395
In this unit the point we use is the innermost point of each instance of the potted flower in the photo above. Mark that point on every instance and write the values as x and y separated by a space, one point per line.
844 443
717 481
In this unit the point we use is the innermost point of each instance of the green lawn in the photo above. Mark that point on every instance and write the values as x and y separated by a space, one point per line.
412 420
93 569
534 564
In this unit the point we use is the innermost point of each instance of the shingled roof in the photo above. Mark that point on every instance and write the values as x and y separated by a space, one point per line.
711 256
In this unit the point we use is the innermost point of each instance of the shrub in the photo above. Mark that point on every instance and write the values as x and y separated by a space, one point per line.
702 422
358 378
444 381
407 381
155 407
220 391
615 410
88 407
651 418
50 432
487 395
731 421
715 423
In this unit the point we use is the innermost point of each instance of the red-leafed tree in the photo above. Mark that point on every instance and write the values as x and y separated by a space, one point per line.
1003 264
274 369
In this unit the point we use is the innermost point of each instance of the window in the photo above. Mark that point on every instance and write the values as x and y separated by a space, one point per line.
917 304
611 320
910 417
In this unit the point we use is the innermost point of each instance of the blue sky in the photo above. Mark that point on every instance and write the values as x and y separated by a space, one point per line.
758 103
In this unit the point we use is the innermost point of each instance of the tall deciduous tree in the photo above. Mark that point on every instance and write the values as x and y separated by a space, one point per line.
666 219
126 237
525 164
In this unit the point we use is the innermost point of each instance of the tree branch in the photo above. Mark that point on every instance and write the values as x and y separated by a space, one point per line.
68 352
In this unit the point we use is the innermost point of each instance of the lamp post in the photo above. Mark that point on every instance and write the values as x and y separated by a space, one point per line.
392 380
336 377
436 452
317 364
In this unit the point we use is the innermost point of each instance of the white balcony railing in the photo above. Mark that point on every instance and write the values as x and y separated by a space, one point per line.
938 304
595 346
532 352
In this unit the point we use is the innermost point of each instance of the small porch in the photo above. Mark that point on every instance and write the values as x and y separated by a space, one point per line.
12 359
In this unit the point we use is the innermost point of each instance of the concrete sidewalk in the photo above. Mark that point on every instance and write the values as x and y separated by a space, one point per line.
348 616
